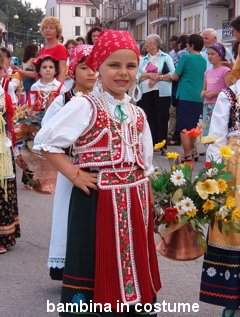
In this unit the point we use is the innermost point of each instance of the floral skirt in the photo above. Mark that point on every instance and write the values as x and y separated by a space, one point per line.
220 283
9 220
91 265
207 115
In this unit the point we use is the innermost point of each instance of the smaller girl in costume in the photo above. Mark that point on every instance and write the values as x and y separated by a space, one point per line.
84 79
215 79
220 282
111 255
41 95
9 221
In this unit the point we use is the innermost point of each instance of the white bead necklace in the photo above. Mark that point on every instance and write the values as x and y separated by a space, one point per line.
132 128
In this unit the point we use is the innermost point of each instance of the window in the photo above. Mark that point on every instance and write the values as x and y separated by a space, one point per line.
197 23
52 11
190 25
77 11
77 30
185 26
94 13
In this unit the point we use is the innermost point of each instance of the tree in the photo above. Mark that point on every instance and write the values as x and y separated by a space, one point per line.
26 27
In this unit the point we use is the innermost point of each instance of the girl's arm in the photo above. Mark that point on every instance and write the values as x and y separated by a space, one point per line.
227 80
79 178
62 68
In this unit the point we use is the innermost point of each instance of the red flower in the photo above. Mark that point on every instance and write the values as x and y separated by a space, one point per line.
208 164
193 133
170 214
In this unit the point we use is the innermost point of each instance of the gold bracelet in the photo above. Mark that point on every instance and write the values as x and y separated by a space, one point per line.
78 173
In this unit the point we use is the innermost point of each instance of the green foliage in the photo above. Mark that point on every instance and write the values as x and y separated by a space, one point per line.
19 29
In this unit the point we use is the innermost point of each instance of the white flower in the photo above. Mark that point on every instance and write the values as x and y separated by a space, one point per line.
187 204
211 271
77 95
177 178
211 172
223 212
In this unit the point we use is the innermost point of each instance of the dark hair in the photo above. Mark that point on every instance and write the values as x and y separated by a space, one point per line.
79 38
90 32
235 23
71 41
174 38
29 52
6 52
48 58
235 49
196 41
182 40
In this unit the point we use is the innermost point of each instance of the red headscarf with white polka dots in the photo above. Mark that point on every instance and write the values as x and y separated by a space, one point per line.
108 42
77 52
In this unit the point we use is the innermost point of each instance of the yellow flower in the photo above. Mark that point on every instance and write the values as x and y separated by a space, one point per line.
174 168
226 152
230 202
210 186
160 145
222 185
172 155
236 214
208 139
208 205
192 213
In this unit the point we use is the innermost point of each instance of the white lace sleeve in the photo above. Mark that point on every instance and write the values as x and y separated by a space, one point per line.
219 126
62 130
148 149
53 109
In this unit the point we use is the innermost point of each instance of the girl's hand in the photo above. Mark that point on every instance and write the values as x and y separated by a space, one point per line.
203 93
209 94
85 180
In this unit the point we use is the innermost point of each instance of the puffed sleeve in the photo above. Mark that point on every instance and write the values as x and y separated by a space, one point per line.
147 149
219 126
53 109
62 130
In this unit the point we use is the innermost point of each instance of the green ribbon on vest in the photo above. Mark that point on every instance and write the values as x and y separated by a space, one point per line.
119 114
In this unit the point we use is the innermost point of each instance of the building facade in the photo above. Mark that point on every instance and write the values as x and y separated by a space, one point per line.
76 16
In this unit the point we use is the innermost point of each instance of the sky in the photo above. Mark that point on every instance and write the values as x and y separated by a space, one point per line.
37 4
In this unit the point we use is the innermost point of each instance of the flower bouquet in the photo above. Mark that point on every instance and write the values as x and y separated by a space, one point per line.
26 123
186 200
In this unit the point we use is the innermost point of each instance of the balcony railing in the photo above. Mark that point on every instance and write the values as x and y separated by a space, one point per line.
160 13
132 9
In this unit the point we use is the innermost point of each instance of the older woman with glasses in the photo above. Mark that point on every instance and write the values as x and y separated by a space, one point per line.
155 84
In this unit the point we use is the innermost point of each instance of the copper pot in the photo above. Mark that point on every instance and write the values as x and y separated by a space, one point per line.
183 244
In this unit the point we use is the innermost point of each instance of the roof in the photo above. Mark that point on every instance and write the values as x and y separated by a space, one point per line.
83 2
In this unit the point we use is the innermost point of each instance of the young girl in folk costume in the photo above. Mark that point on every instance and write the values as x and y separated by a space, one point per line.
215 79
84 79
110 255
41 95
9 222
220 283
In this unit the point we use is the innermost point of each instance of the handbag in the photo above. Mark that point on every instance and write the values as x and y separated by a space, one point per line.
165 69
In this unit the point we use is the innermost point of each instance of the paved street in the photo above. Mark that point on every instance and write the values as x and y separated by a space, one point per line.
25 283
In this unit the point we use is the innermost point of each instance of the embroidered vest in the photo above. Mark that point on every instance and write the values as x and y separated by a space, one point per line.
42 99
234 117
98 143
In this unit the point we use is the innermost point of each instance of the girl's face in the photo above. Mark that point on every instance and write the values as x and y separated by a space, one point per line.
118 72
84 77
95 36
213 56
236 34
49 32
47 71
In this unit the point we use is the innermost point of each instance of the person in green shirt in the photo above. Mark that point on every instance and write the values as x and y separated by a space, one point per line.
190 76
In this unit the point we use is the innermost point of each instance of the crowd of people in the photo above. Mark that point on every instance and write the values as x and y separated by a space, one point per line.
81 120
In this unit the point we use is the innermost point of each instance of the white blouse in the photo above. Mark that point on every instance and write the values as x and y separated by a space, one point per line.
64 128
219 123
